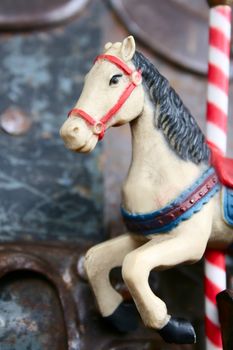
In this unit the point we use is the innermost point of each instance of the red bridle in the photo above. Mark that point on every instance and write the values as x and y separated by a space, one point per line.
99 126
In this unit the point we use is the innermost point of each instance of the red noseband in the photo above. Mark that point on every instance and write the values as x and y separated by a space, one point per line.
99 126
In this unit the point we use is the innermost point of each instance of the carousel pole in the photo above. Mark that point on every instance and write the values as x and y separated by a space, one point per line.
217 111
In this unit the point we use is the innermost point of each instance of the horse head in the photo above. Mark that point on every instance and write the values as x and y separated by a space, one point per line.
112 95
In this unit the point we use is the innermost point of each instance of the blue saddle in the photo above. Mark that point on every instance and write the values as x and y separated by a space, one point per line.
189 202
227 204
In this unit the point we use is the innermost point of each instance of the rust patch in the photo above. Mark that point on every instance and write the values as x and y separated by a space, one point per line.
15 122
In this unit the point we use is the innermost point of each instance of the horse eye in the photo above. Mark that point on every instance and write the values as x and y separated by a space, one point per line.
115 79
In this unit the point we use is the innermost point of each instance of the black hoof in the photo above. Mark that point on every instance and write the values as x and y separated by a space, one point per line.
124 318
178 331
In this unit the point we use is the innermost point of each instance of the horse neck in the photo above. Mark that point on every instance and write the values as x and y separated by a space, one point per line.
155 169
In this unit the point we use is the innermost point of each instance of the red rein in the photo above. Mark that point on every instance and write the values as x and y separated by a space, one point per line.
99 126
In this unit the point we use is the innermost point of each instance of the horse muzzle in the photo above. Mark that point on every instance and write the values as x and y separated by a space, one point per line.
77 136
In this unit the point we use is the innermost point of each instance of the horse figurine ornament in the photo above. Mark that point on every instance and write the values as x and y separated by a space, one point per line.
170 200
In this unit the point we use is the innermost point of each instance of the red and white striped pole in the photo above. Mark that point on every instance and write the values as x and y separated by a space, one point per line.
217 112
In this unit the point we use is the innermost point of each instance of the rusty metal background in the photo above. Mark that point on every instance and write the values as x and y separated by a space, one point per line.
175 29
47 193
31 14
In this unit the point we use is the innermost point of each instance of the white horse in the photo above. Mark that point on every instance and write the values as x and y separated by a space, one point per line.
170 202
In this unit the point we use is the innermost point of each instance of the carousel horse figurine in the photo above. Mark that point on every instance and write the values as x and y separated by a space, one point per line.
170 198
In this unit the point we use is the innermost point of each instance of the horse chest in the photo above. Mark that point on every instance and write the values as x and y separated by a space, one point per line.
140 195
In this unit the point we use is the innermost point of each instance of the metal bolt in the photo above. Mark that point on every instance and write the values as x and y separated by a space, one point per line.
14 121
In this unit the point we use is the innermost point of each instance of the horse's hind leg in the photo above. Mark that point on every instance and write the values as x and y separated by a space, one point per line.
99 261
186 245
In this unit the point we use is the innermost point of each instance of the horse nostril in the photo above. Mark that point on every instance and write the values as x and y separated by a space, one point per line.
76 129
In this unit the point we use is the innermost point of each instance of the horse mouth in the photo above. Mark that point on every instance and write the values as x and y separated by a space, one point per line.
87 147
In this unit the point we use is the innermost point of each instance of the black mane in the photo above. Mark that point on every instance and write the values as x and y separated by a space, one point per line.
177 124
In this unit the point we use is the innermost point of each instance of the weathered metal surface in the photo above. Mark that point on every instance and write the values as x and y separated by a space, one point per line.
47 192
31 14
30 313
46 307
175 29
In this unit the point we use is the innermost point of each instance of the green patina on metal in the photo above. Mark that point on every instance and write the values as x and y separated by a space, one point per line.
47 192
28 318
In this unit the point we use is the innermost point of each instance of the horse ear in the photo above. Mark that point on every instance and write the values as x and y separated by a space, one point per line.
107 46
128 48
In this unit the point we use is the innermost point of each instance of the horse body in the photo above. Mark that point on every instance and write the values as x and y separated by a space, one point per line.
221 234
168 155
155 170
158 174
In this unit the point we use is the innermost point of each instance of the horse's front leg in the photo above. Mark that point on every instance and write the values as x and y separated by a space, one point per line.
187 243
99 261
